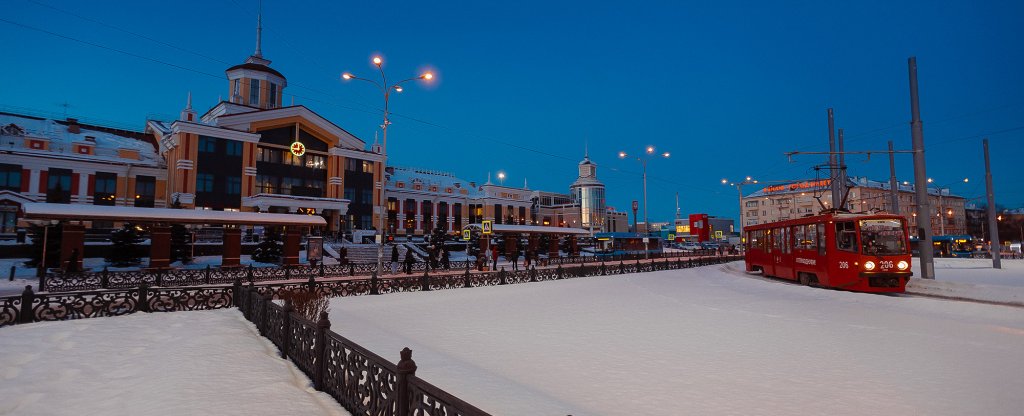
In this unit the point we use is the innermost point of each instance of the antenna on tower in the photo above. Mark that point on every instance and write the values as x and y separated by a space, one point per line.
259 31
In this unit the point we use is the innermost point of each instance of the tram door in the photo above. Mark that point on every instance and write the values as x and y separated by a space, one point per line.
783 255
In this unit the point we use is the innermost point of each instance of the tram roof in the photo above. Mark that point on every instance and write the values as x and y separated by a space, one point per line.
82 212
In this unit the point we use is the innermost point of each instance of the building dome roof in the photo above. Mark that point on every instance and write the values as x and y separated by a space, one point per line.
256 67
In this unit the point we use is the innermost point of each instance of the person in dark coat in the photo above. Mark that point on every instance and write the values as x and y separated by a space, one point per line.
394 259
73 262
515 259
343 253
494 258
445 260
409 261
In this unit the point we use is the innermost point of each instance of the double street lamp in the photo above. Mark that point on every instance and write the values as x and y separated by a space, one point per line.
386 89
648 154
739 189
938 212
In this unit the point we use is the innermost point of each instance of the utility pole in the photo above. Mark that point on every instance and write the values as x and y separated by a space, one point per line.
894 192
992 224
842 169
924 212
833 183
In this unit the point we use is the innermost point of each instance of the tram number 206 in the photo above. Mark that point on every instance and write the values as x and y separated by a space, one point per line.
844 265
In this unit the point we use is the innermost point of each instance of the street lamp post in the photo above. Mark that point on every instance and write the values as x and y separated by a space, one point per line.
739 190
938 212
386 89
643 158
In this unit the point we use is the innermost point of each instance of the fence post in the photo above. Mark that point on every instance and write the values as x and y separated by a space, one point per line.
311 284
638 267
25 314
374 289
207 274
319 350
286 331
262 324
248 273
351 270
406 368
502 278
602 268
248 300
105 278
622 267
144 296
321 269
159 277
533 273
465 278
425 281
236 292
288 272
559 271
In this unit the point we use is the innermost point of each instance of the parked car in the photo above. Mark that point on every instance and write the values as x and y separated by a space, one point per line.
690 246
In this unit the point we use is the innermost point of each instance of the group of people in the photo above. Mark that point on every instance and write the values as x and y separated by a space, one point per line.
512 257
437 258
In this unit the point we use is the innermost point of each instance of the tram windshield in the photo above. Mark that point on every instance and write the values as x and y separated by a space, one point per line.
882 237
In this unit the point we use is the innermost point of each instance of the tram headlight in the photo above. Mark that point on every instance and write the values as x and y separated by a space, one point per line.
903 265
869 265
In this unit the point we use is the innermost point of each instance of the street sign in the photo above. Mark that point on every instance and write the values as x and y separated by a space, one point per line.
671 236
377 237
647 240
467 235
486 226
636 205
718 234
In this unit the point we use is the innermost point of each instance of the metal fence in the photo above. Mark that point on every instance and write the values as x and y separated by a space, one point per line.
106 279
363 382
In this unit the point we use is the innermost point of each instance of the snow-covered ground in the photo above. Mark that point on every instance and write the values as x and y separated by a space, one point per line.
700 341
182 363
973 279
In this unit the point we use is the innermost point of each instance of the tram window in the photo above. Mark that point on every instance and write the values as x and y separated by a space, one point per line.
806 237
787 244
846 236
820 238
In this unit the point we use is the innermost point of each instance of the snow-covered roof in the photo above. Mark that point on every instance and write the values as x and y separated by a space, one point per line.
105 141
535 229
42 210
443 180
855 181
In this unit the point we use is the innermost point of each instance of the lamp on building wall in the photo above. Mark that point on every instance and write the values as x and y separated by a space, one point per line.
386 89
938 212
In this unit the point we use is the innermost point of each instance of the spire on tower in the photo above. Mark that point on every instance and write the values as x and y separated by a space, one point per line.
188 114
259 31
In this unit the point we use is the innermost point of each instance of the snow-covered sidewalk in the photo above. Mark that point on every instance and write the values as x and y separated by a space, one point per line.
182 363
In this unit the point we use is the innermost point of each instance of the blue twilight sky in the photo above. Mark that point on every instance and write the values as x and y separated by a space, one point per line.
524 86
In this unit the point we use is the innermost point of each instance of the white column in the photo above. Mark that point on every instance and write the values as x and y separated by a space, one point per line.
83 187
33 182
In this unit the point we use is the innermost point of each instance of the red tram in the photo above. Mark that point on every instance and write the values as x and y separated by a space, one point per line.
856 252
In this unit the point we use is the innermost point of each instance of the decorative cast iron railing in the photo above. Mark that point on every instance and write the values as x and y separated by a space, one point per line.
105 279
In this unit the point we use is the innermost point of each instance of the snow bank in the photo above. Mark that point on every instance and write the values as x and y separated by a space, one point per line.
187 363
700 341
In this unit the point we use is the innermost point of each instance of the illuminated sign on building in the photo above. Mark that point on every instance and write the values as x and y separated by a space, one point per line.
824 183
682 229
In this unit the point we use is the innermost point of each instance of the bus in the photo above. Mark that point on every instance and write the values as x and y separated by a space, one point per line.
618 244
855 252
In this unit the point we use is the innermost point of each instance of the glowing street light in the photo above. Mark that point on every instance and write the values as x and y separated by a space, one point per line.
643 162
386 89
501 178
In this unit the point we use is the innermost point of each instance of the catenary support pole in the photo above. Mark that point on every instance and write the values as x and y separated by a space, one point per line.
894 187
842 168
832 171
924 212
992 224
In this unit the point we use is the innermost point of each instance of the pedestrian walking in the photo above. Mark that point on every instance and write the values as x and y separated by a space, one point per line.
494 258
394 259
409 261
515 259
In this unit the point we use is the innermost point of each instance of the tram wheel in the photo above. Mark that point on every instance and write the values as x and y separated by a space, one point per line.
805 279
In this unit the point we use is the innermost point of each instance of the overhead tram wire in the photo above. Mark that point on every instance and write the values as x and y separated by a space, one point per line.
375 110
193 52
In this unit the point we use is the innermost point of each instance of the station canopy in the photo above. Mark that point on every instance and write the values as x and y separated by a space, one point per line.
80 212
532 229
